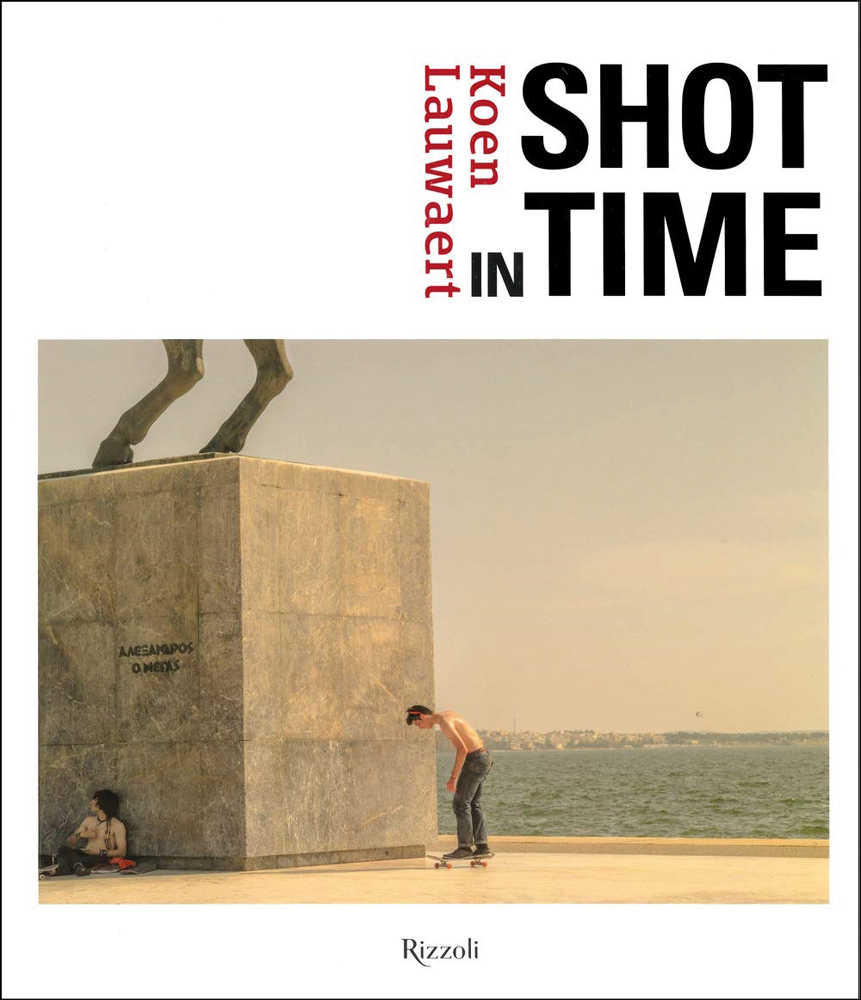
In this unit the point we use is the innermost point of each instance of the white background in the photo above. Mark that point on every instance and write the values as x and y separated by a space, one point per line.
229 170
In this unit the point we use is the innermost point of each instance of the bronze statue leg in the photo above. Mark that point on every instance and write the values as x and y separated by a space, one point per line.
273 373
184 369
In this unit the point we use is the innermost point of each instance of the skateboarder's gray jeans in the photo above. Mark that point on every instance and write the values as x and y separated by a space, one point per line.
468 809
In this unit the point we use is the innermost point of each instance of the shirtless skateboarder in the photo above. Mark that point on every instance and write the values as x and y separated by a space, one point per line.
104 833
472 764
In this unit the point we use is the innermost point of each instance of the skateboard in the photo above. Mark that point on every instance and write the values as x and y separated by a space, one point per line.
141 868
479 862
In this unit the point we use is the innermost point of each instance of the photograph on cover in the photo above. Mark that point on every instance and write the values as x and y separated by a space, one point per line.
554 610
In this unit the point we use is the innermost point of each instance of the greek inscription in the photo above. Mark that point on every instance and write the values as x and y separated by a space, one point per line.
157 649
158 667
163 649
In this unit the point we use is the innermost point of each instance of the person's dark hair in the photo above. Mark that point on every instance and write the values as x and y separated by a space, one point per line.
414 711
107 801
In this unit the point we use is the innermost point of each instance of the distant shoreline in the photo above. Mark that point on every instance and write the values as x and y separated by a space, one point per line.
592 739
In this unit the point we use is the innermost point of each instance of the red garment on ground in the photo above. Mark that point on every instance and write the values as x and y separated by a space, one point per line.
122 863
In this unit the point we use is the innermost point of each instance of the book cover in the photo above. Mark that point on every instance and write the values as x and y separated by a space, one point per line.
563 464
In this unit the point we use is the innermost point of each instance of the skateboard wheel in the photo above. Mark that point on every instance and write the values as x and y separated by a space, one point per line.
484 864
436 864
448 865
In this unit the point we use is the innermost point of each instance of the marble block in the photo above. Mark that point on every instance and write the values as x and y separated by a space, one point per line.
230 643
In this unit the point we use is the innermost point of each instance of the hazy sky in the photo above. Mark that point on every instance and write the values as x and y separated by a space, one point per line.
624 533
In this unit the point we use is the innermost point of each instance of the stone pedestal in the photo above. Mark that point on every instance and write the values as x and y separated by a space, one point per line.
230 644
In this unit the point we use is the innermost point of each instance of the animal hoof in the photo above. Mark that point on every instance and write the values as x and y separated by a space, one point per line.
113 451
225 444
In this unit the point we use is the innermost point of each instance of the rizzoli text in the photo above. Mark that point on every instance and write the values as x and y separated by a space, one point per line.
424 953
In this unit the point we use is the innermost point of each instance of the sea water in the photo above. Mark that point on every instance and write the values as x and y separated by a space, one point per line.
674 791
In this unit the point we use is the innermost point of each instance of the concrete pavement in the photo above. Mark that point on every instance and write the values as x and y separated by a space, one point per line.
525 870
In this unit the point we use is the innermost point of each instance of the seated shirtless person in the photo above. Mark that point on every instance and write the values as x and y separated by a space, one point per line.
472 764
104 833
